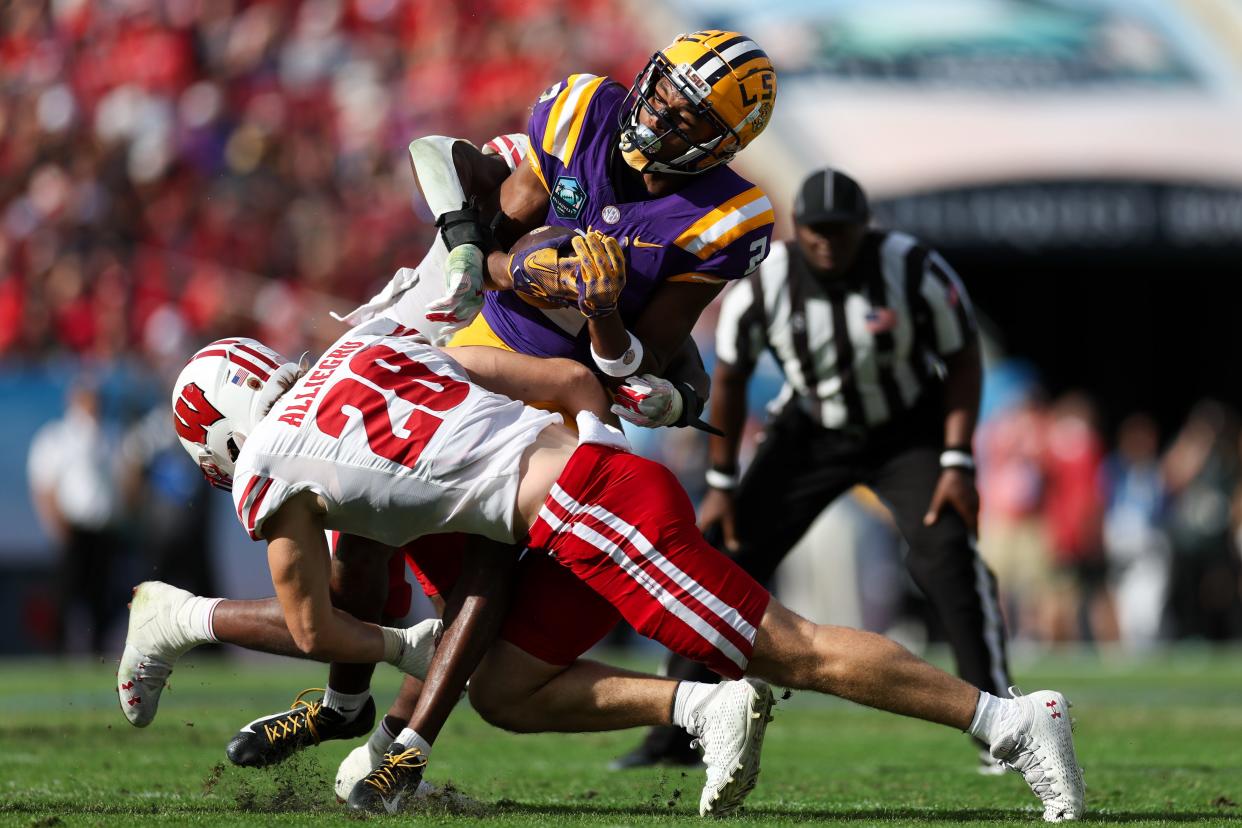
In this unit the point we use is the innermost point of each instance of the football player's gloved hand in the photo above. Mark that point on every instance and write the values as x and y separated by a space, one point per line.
648 401
600 274
543 271
464 289
410 649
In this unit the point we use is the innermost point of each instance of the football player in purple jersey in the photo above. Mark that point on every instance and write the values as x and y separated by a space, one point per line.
643 173
644 170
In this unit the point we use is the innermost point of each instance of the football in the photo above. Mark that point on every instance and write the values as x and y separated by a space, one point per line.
548 237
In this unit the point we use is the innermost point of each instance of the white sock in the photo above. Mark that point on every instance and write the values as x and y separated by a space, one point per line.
410 738
348 705
687 698
991 717
380 739
195 615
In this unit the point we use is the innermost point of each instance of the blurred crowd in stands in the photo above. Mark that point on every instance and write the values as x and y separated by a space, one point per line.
1112 540
175 168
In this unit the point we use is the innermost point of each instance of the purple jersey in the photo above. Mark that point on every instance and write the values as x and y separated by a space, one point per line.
716 228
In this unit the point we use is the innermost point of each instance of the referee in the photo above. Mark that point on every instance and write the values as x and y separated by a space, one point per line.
877 342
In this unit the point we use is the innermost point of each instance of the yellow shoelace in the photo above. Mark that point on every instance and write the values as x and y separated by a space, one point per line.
384 777
290 724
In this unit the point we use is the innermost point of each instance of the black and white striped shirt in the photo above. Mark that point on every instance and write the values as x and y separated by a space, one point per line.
902 310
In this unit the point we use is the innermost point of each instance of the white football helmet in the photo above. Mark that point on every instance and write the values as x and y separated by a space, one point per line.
221 395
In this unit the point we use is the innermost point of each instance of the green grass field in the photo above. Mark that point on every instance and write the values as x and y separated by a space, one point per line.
1161 741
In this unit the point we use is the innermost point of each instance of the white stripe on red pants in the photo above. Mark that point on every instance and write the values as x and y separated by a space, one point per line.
625 527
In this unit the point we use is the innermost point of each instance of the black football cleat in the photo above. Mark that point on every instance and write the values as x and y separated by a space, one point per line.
665 745
273 739
397 778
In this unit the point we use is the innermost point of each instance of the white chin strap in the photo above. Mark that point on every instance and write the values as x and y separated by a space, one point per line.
222 478
692 154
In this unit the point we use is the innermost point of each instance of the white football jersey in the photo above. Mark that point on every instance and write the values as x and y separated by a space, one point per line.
391 434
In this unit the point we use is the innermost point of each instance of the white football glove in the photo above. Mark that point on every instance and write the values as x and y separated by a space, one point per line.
463 276
410 649
647 401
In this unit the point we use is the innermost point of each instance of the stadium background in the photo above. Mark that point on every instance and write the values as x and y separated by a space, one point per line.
175 171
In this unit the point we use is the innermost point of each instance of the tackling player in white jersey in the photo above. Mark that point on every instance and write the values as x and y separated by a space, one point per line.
383 405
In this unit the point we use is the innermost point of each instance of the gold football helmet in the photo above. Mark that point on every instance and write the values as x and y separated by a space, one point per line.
729 80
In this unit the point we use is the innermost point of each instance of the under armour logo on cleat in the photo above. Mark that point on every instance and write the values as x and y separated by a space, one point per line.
1050 704
127 685
135 700
1056 715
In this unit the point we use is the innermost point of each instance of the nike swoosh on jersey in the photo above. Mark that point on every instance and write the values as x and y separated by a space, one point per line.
638 243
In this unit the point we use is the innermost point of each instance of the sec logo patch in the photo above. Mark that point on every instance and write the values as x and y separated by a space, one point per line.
611 214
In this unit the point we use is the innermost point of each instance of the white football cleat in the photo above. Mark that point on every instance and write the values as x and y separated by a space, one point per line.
362 760
156 639
988 765
1040 746
729 725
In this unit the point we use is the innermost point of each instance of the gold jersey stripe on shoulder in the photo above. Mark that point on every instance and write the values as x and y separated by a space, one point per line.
697 278
736 217
532 158
560 137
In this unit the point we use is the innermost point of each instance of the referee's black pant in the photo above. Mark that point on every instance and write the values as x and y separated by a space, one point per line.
800 468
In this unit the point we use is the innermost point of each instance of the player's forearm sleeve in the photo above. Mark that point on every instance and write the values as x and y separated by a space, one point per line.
432 158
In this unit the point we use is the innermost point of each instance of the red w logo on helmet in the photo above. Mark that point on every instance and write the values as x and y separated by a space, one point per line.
192 414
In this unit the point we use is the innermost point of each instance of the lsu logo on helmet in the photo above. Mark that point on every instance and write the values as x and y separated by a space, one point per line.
727 78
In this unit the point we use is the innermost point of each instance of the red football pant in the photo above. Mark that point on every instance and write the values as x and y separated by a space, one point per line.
624 526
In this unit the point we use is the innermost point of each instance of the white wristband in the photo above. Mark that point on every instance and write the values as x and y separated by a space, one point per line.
623 365
720 480
957 459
